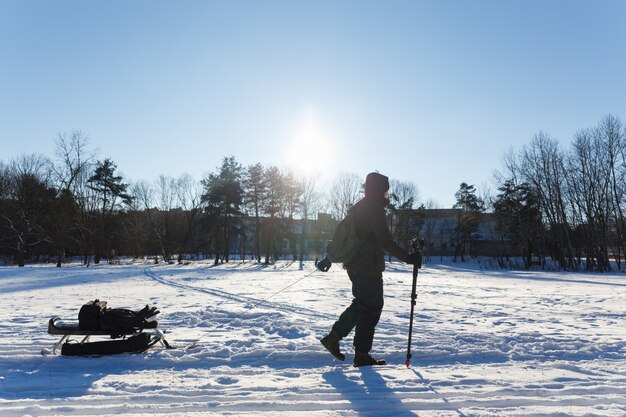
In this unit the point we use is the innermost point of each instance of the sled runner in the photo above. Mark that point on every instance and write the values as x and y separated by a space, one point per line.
131 331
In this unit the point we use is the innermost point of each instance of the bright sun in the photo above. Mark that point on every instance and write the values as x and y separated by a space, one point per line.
309 150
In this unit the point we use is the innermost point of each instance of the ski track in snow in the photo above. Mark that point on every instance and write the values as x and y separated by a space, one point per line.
486 343
248 301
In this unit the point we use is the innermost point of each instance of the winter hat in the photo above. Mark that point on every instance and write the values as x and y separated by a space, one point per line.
376 184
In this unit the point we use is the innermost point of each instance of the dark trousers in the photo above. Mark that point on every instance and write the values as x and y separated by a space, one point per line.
363 313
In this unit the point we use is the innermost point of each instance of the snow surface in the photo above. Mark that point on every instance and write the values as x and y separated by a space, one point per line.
486 343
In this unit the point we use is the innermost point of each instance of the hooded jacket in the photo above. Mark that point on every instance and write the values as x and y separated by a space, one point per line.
371 225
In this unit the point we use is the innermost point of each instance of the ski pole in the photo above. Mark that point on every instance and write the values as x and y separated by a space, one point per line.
417 247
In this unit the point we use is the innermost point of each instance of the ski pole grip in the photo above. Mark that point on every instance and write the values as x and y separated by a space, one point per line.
417 244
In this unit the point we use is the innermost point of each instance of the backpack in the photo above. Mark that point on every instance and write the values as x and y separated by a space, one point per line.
346 241
90 315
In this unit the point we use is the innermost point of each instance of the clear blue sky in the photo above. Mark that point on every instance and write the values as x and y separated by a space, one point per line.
433 92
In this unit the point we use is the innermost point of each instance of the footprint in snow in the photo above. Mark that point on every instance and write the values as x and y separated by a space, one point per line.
226 380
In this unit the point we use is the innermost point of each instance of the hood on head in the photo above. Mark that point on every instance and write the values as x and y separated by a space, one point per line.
376 185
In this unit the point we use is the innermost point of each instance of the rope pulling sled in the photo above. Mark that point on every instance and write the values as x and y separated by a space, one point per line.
197 341
137 331
131 331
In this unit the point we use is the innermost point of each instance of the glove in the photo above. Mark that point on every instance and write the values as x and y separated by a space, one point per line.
415 258
324 264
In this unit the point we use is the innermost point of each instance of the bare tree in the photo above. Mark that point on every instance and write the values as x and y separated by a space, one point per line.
189 194
587 191
70 171
135 223
612 138
344 193
27 207
431 226
73 160
157 200
32 164
403 198
292 202
310 195
543 167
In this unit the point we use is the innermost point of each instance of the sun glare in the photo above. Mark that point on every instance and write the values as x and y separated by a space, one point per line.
309 151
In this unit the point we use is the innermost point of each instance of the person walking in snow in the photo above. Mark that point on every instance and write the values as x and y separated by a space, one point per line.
365 271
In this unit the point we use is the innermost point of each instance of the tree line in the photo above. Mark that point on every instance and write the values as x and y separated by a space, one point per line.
564 204
75 204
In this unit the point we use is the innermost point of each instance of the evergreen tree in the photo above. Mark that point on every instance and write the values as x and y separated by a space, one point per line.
470 209
272 207
518 217
255 193
223 196
111 195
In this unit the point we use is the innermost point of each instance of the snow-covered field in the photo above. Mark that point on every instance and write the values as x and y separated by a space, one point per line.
486 343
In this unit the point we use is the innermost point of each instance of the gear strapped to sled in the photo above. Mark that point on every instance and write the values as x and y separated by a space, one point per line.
131 331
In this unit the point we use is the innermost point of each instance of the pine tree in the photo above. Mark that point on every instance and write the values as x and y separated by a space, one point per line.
224 197
255 191
518 217
111 194
468 220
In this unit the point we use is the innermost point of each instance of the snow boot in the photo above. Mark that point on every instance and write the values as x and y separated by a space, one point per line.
364 359
331 343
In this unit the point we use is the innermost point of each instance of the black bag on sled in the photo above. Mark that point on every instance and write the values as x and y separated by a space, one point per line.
125 327
118 321
95 315
90 315
133 344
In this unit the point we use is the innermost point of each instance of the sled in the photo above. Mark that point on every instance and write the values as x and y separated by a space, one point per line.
130 341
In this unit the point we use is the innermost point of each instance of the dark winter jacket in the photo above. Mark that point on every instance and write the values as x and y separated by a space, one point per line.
371 225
